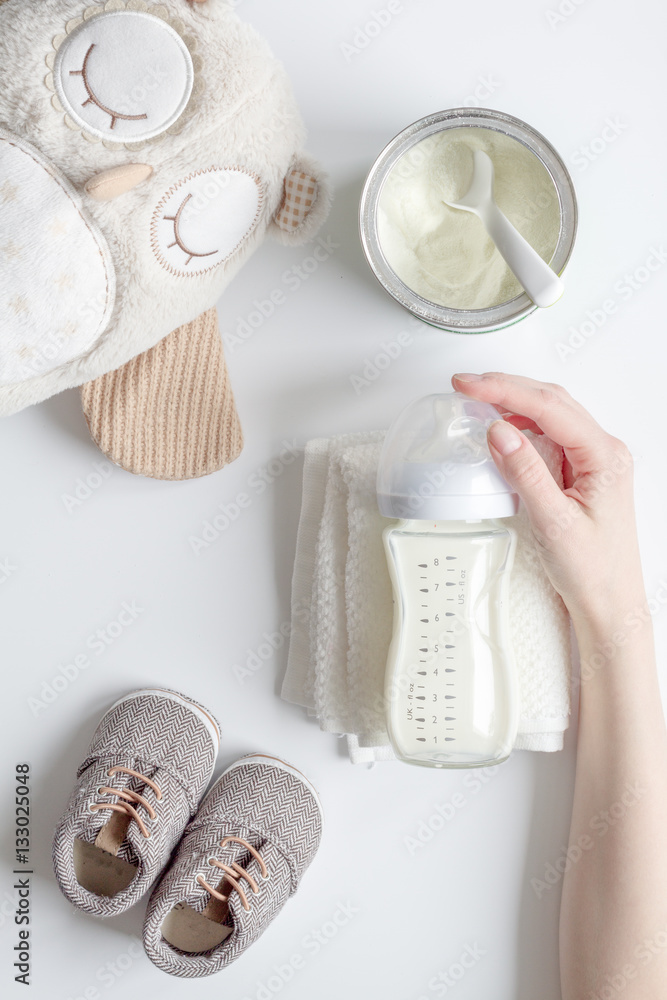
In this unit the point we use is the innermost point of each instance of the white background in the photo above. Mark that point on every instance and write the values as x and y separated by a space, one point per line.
203 614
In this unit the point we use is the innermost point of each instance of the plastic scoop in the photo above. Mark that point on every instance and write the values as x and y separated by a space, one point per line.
542 284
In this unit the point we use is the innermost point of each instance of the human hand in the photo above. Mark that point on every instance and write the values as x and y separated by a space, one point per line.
585 534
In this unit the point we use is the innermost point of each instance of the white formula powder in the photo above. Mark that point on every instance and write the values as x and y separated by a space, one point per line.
444 254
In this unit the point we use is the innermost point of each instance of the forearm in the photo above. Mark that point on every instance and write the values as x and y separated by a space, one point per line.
614 907
613 930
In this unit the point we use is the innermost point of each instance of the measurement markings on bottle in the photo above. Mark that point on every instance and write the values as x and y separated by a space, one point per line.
437 727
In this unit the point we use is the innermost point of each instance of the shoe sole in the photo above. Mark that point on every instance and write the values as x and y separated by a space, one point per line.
196 709
265 758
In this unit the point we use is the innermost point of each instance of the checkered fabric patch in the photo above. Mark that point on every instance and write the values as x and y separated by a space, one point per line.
300 196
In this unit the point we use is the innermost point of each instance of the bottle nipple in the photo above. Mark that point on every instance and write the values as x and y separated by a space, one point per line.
457 436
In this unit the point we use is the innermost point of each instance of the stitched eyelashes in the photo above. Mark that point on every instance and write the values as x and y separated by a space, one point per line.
92 99
215 207
178 242
123 75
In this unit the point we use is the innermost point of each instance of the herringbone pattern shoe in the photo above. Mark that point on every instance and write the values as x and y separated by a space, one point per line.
148 765
240 859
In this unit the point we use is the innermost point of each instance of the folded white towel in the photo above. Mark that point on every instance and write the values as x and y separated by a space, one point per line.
338 650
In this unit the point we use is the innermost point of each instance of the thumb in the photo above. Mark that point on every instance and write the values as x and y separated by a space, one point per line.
527 473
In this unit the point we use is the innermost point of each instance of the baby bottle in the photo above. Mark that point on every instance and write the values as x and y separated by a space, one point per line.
451 684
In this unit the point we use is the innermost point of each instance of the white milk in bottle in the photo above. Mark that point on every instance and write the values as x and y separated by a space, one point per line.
451 685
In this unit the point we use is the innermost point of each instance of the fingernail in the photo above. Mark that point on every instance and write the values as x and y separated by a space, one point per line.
467 377
504 438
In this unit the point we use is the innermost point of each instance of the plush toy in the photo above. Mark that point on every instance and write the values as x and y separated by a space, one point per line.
146 149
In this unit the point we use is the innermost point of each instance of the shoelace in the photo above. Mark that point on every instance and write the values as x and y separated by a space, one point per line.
129 797
234 872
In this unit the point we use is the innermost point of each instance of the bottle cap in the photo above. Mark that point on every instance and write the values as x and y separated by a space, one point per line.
436 464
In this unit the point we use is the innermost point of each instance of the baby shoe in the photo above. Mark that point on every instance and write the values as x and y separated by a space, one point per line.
147 767
240 859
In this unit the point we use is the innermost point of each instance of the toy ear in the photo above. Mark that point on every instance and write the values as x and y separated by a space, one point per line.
305 204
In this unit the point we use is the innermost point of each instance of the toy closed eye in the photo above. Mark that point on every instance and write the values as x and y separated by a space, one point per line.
178 241
92 99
